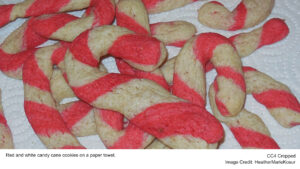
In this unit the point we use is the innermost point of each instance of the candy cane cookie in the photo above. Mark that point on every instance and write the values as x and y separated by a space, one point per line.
83 120
275 96
248 128
247 14
29 8
67 27
189 74
132 15
78 116
17 47
271 32
20 44
39 104
146 104
246 43
6 140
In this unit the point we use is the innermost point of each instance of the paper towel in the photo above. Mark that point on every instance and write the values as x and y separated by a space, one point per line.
279 61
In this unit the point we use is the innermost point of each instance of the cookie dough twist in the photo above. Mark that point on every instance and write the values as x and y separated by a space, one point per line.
275 96
132 15
6 140
17 47
272 31
245 44
189 74
29 8
39 104
248 128
174 121
83 120
247 14
22 42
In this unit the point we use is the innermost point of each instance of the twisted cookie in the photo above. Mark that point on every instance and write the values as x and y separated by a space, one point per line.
175 122
29 8
83 120
22 42
39 104
247 14
189 74
6 140
248 129
277 97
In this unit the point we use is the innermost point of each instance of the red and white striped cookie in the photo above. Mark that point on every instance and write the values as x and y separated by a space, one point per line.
247 14
275 96
17 47
189 75
82 119
6 140
117 134
132 15
66 27
146 104
21 43
158 6
271 32
39 104
248 128
29 8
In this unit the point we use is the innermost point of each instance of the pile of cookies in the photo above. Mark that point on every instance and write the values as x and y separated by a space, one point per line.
154 102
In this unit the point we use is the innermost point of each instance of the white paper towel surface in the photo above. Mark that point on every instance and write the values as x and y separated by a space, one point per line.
281 61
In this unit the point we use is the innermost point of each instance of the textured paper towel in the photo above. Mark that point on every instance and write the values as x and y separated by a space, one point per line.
281 61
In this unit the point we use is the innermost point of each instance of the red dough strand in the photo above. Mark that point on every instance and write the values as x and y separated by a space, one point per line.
177 117
252 139
273 31
5 11
239 17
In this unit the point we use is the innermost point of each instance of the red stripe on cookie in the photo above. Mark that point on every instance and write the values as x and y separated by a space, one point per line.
3 120
75 113
273 31
251 139
46 26
30 38
167 119
221 106
149 4
182 90
112 118
34 76
126 21
283 99
81 50
248 68
239 17
206 44
5 11
132 139
10 62
132 47
104 12
58 55
103 85
236 77
40 7
44 119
